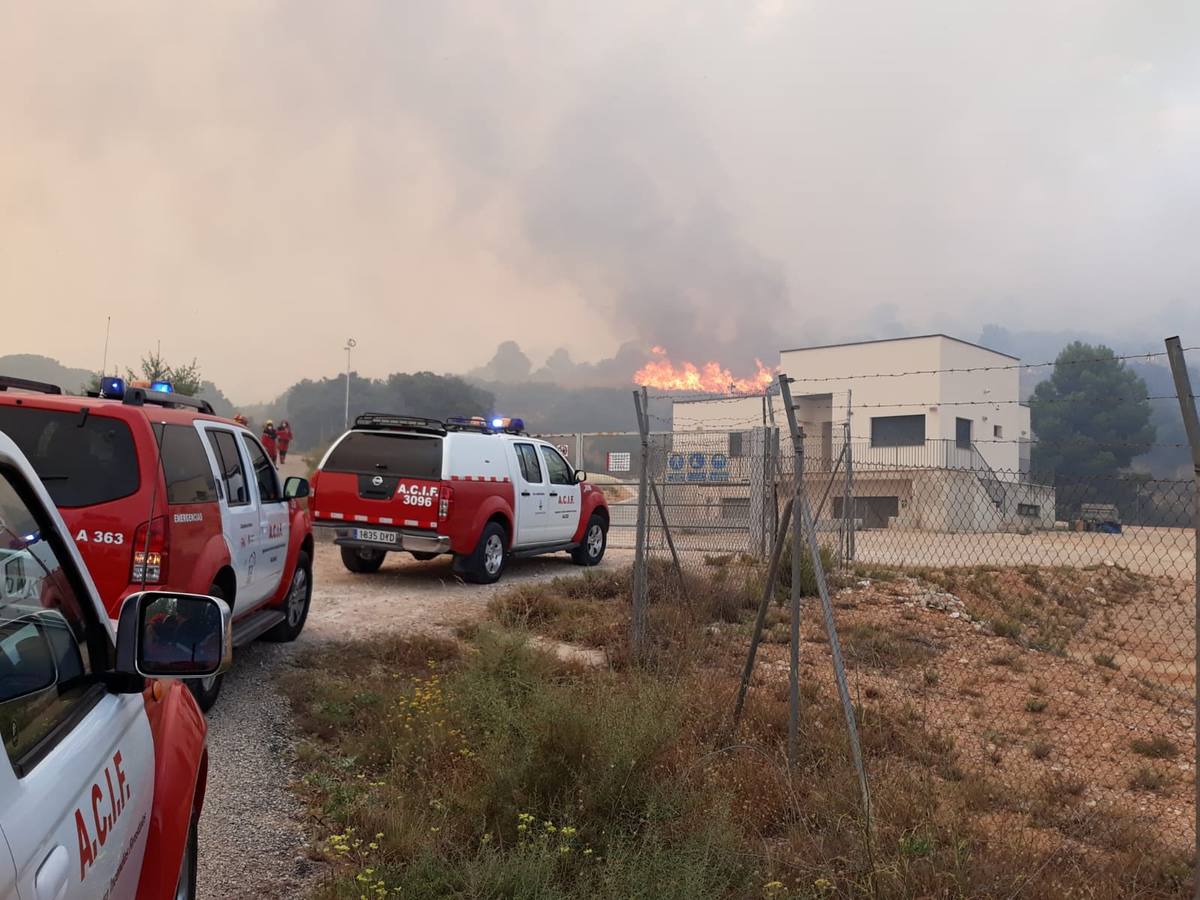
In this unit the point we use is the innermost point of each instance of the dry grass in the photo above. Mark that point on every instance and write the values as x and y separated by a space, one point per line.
464 759
1041 608
1156 748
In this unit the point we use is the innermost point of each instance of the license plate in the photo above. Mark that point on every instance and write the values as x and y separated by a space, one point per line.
374 534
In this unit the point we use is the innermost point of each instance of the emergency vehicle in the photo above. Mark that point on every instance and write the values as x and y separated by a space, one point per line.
159 492
104 764
482 491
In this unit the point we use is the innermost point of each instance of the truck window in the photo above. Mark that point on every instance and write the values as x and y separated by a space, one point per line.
45 666
264 472
401 455
185 465
531 470
82 460
229 461
560 472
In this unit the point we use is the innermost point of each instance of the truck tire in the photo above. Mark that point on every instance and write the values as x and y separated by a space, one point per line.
485 564
206 690
595 541
362 560
295 604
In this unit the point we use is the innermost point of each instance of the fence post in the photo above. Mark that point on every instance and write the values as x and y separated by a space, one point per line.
760 619
835 651
848 508
797 433
1191 425
757 457
640 587
666 526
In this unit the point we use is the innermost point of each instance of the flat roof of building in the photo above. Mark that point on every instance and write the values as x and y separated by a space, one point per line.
913 337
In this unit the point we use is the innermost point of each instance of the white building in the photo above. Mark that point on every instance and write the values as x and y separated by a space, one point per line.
938 434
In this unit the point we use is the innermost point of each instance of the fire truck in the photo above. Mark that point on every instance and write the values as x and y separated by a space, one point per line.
480 490
158 492
104 764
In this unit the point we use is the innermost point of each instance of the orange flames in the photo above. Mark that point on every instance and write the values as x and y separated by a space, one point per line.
710 377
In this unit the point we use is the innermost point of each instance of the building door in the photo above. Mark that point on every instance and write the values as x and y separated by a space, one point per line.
827 445
871 512
962 433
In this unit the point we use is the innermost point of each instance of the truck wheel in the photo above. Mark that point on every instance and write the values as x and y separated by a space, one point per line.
295 604
206 690
362 560
486 562
595 540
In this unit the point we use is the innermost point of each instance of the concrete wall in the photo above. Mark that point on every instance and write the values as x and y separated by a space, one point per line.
957 502
1010 418
930 395
935 492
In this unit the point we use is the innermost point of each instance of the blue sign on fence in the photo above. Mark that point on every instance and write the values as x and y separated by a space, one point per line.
701 467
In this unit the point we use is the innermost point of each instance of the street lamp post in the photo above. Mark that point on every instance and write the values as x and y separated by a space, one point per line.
350 345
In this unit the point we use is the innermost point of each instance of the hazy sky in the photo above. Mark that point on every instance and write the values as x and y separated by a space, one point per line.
252 182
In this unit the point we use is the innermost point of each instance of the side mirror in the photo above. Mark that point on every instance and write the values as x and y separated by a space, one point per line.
163 634
295 488
580 476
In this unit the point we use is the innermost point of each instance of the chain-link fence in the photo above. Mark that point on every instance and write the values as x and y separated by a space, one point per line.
1043 629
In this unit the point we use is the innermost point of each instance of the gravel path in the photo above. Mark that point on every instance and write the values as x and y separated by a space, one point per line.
252 841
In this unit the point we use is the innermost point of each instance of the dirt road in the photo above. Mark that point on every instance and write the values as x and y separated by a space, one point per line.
251 833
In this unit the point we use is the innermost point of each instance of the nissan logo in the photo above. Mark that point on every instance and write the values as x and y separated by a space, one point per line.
377 480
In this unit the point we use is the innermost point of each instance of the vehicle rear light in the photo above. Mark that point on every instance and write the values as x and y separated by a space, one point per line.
446 495
150 557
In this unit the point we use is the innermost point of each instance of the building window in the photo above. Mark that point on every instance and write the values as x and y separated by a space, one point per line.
737 441
735 508
1031 510
962 433
897 431
997 431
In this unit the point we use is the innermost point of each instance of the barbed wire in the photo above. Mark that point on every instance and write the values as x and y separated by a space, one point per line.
715 395
770 390
1004 368
838 441
1028 402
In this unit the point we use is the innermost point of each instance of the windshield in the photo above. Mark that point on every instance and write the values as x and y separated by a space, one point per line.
401 455
81 460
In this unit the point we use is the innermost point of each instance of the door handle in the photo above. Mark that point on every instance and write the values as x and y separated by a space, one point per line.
526 494
50 883
554 493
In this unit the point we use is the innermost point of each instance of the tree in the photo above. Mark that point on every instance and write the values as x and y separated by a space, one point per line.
316 409
1090 417
185 378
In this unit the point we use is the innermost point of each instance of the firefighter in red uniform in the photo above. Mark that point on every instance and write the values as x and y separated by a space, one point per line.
284 436
268 440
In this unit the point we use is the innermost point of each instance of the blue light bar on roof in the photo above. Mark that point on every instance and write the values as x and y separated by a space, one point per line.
164 386
112 387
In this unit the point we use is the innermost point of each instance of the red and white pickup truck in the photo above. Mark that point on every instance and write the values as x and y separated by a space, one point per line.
483 492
